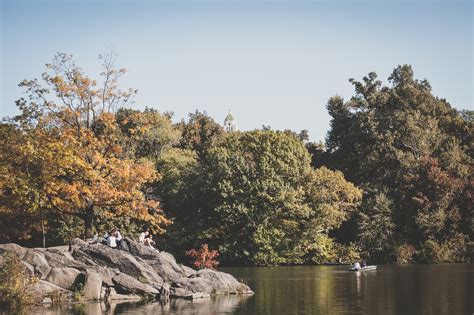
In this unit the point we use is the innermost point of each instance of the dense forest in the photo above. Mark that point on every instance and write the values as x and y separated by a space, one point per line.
391 183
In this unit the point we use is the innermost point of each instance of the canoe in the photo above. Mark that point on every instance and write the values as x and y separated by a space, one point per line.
366 268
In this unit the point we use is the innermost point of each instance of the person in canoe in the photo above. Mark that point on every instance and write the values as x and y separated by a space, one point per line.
356 265
364 264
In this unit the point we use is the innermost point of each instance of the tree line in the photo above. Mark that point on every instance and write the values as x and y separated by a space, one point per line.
391 183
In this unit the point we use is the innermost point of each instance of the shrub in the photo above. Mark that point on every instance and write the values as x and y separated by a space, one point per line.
457 246
15 282
347 253
78 290
451 250
324 249
404 254
432 252
204 258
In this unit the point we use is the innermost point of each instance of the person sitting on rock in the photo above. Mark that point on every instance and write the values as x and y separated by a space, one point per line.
95 239
104 238
149 241
118 238
111 240
143 236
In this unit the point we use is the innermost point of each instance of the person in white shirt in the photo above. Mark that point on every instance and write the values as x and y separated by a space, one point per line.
95 239
142 237
149 241
111 241
356 265
146 239
118 238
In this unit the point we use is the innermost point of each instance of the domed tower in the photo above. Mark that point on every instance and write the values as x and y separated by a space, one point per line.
229 123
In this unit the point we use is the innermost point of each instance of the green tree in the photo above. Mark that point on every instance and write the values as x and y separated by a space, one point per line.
22 213
257 199
180 194
376 228
404 140
200 132
146 134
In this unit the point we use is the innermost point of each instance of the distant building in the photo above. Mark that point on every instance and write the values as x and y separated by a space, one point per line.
229 123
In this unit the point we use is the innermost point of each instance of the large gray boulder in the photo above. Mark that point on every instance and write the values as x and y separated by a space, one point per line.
126 284
106 273
63 277
42 289
13 248
92 286
39 263
108 257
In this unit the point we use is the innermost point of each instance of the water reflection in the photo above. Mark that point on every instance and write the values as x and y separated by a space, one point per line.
216 305
412 289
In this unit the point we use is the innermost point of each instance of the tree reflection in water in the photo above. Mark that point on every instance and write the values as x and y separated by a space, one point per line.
218 304
392 289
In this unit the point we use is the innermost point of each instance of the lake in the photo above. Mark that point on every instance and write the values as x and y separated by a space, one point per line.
392 289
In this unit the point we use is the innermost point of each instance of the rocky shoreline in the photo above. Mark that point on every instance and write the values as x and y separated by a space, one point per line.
93 272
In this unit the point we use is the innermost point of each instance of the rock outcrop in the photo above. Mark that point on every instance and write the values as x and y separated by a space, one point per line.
98 272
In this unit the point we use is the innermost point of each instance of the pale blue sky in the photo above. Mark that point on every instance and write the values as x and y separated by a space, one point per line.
270 62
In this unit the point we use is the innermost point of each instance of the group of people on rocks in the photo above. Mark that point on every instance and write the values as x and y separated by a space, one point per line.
146 238
114 239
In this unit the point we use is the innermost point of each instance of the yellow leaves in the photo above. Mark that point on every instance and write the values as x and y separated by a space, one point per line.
331 186
57 80
289 224
72 159
82 170
116 150
332 195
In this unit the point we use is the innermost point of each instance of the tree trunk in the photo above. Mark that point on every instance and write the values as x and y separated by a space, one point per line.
44 234
88 222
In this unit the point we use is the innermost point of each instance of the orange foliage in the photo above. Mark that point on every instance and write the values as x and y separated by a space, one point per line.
204 258
74 144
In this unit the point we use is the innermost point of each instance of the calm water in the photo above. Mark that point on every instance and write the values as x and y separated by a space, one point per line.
412 289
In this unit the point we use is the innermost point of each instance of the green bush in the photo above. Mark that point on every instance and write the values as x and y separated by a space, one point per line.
15 282
327 250
450 250
404 254
348 253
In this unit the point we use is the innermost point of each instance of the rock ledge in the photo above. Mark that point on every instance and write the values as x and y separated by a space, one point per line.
98 272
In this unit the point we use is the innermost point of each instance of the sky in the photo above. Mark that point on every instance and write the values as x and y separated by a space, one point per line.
272 63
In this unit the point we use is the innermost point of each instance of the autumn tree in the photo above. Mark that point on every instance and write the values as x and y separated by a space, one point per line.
76 144
203 257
